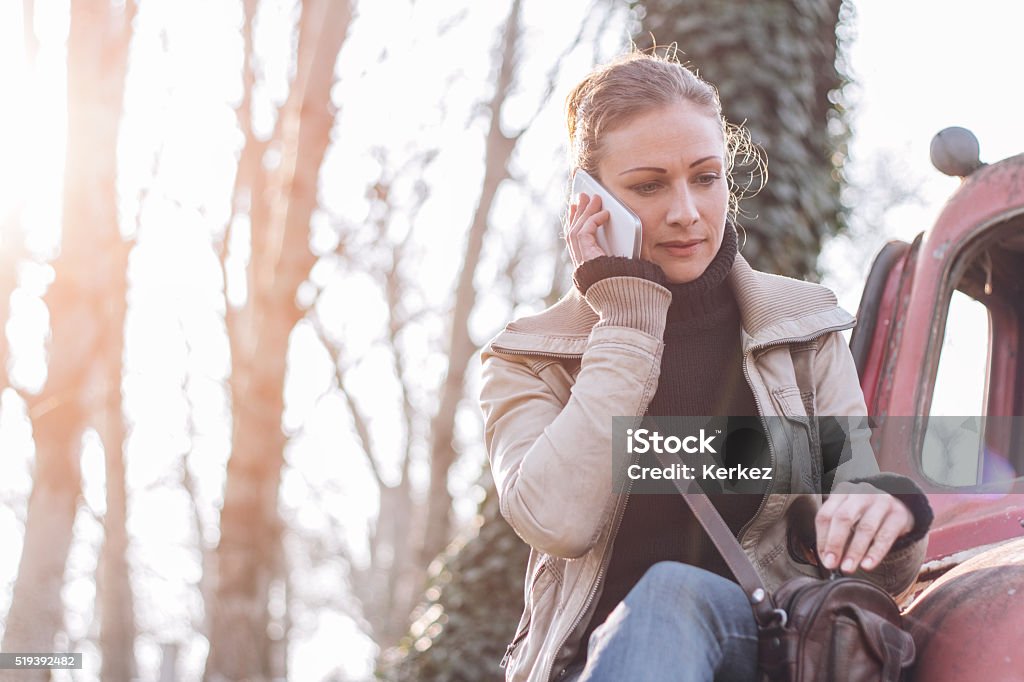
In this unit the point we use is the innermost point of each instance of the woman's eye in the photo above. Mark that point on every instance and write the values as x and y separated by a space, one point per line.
707 178
646 188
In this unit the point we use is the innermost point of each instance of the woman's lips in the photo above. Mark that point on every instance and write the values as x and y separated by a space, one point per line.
681 248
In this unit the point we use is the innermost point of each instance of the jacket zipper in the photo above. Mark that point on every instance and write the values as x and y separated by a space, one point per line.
513 644
521 634
597 580
507 351
760 410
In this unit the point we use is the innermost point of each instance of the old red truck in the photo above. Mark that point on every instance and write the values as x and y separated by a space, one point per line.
966 612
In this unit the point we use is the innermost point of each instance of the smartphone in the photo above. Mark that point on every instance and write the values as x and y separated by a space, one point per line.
620 234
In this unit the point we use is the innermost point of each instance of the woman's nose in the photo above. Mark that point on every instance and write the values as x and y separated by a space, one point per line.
683 210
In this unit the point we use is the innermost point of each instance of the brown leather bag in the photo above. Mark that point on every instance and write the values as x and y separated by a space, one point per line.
838 629
811 629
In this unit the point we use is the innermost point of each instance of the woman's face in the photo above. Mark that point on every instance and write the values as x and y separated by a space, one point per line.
668 165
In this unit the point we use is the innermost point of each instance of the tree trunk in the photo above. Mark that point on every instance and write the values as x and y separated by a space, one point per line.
775 66
82 317
113 583
460 346
12 236
240 646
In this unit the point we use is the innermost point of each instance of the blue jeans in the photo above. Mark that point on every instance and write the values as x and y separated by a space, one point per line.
678 622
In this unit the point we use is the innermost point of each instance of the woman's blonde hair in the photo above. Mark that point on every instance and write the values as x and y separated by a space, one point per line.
638 82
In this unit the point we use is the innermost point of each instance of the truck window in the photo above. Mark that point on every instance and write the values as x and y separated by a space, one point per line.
973 431
952 452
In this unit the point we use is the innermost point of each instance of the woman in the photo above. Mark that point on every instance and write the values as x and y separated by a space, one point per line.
621 586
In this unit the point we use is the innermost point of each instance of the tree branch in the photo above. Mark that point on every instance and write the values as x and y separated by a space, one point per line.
359 420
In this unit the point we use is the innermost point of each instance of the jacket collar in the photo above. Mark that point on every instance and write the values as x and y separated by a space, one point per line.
773 309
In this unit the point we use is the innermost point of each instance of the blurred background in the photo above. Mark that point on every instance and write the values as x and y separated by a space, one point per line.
249 250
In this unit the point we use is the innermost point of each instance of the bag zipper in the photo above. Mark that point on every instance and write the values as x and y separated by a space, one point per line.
828 585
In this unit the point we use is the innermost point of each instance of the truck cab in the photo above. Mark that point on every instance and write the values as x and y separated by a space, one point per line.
940 351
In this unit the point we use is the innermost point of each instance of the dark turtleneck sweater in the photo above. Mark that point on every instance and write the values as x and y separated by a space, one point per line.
701 375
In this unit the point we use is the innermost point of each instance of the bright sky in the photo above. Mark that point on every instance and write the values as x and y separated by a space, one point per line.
920 65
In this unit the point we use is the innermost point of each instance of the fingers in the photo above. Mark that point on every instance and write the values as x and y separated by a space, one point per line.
584 219
577 214
893 526
865 534
833 524
856 530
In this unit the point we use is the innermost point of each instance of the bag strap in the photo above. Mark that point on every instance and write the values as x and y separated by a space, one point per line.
725 542
765 611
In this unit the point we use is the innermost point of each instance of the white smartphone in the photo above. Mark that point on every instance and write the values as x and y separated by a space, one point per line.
620 235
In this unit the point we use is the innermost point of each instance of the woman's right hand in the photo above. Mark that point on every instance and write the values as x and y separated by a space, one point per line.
585 217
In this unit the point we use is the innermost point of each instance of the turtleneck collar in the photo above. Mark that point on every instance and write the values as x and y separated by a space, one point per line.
709 292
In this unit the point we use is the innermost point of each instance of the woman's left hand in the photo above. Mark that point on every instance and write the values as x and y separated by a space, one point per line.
864 521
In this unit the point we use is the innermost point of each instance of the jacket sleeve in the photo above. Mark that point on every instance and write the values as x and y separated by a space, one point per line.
848 456
551 460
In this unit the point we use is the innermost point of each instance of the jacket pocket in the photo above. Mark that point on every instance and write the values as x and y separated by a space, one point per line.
790 402
797 407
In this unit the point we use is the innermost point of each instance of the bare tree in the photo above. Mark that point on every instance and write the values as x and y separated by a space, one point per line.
86 303
411 528
388 585
113 583
460 346
11 235
281 198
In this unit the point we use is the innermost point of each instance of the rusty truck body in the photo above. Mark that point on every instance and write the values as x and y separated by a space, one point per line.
966 611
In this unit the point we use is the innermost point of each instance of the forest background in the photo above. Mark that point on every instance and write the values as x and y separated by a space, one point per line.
248 251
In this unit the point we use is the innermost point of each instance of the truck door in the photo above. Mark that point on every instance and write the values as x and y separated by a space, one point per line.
939 348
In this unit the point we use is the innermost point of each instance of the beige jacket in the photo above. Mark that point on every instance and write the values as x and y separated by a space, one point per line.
552 382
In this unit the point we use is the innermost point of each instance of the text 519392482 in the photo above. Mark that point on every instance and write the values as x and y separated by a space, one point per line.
38 661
